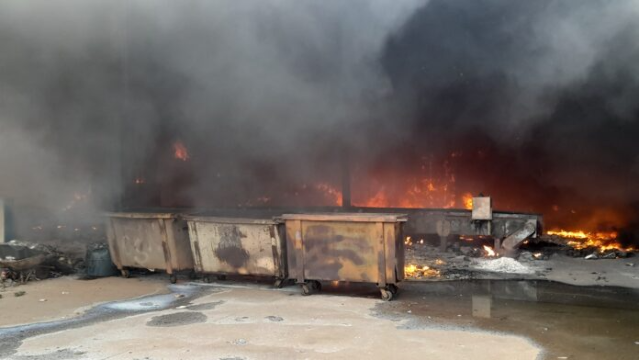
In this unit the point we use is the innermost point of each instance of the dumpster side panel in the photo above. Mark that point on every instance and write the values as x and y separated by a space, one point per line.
340 250
138 243
394 251
113 246
245 249
293 248
399 251
181 257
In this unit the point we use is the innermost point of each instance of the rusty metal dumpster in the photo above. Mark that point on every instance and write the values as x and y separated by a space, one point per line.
149 240
237 246
351 247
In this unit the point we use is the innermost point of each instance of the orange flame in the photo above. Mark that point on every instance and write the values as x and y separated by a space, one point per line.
489 251
416 271
467 199
180 151
581 239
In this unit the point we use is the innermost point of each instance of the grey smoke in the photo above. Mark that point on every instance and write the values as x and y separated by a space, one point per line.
83 81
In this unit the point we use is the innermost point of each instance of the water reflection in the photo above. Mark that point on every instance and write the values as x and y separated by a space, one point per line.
567 321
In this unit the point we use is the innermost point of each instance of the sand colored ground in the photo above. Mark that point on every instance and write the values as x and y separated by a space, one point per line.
256 323
66 296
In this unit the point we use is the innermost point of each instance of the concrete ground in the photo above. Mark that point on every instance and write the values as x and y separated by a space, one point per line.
244 321
67 296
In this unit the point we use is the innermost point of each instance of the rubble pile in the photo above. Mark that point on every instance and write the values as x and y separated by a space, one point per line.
21 262
463 261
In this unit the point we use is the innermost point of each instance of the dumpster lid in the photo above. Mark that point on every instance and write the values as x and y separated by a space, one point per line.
141 215
232 220
353 217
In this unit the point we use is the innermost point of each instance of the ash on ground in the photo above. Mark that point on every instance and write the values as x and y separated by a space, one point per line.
428 263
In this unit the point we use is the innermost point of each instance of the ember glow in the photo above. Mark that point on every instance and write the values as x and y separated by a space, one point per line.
332 193
180 152
580 239
78 198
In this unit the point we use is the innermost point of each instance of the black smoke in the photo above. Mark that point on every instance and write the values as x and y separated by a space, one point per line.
536 99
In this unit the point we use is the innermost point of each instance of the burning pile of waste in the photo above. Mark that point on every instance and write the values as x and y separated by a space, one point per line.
421 271
589 245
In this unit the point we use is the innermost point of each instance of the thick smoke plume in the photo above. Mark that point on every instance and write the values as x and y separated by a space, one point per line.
535 99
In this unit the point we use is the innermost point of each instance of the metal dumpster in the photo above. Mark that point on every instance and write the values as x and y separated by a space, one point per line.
352 247
149 240
237 246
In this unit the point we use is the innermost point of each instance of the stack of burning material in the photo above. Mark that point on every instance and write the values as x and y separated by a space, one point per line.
589 245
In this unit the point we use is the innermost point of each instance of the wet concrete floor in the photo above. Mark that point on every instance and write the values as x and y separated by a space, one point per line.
11 337
568 322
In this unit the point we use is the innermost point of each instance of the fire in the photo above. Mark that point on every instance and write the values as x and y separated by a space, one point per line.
421 271
331 192
580 239
425 194
489 251
467 199
180 151
584 235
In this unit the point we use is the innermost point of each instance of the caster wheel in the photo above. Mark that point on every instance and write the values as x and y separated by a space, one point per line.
125 273
207 279
221 277
173 278
306 290
393 289
279 283
386 295
316 285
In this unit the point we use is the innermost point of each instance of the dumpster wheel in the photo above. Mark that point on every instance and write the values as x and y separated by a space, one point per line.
306 289
173 278
316 285
192 275
125 273
393 289
279 283
386 294
311 286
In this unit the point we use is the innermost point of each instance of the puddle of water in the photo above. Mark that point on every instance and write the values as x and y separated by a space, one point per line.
569 322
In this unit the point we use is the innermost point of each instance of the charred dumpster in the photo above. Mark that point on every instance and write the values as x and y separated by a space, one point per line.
149 240
237 246
351 247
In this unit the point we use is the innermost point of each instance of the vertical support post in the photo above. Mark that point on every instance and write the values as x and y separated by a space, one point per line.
346 179
443 243
299 251
381 255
